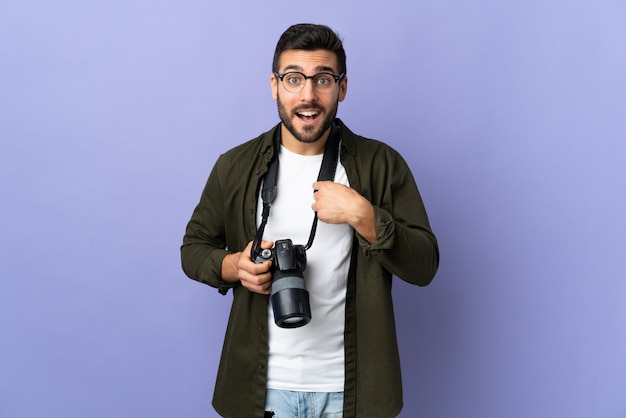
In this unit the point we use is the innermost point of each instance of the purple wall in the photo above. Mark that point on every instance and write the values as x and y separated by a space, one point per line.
513 118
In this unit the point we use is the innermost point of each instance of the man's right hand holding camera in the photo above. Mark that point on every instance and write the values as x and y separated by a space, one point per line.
240 267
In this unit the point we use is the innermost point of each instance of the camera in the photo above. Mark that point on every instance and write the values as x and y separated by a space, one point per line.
290 299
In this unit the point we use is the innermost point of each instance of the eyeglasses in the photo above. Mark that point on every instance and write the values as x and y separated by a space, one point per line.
294 81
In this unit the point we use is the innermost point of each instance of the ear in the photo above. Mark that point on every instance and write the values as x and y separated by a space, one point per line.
274 85
343 88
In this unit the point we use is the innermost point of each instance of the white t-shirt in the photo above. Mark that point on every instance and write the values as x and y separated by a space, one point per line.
309 358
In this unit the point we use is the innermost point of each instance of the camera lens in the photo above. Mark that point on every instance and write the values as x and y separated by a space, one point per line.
290 300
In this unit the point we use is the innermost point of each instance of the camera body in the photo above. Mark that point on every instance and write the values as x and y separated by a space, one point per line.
290 299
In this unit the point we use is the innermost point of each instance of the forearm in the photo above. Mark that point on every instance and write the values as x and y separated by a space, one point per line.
362 220
202 262
409 252
229 268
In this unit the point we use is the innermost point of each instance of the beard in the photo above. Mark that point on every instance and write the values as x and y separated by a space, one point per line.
308 134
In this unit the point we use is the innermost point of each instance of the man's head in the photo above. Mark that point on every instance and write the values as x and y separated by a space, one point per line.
308 82
310 37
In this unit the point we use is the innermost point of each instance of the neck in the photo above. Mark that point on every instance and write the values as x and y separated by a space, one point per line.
304 148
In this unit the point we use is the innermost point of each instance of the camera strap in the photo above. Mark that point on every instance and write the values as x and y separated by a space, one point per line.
269 189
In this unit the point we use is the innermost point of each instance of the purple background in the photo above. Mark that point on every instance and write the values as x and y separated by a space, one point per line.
512 116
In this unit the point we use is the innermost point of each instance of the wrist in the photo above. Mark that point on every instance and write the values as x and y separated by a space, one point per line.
229 267
363 221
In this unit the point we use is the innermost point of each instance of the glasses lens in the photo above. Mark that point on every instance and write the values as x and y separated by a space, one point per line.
323 82
293 82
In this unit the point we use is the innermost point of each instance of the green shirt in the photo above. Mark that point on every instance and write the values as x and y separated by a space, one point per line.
225 221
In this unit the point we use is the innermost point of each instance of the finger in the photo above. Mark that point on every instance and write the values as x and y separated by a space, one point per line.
261 268
319 184
263 289
258 284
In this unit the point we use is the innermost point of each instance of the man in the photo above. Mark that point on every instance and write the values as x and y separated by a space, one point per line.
372 225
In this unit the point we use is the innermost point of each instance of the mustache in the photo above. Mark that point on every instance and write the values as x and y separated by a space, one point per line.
308 106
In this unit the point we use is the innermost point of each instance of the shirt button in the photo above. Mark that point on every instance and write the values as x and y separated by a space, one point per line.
261 366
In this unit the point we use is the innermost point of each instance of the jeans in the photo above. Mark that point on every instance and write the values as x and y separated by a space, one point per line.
290 404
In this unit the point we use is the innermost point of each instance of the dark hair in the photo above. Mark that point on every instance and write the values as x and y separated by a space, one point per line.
310 37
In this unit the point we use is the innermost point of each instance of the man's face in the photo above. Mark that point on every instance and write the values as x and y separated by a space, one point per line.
308 113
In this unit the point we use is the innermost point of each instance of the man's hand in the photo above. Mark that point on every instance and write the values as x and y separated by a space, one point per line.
240 267
337 204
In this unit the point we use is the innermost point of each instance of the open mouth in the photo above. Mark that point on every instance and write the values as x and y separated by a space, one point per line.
308 115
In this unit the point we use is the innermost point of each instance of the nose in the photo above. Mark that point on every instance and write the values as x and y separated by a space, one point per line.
308 92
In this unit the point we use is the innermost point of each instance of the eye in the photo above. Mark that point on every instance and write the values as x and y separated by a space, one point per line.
293 79
323 80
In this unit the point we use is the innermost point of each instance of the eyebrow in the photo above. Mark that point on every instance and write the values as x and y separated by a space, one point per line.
319 69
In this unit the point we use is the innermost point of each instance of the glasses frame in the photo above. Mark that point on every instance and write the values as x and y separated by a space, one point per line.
281 77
